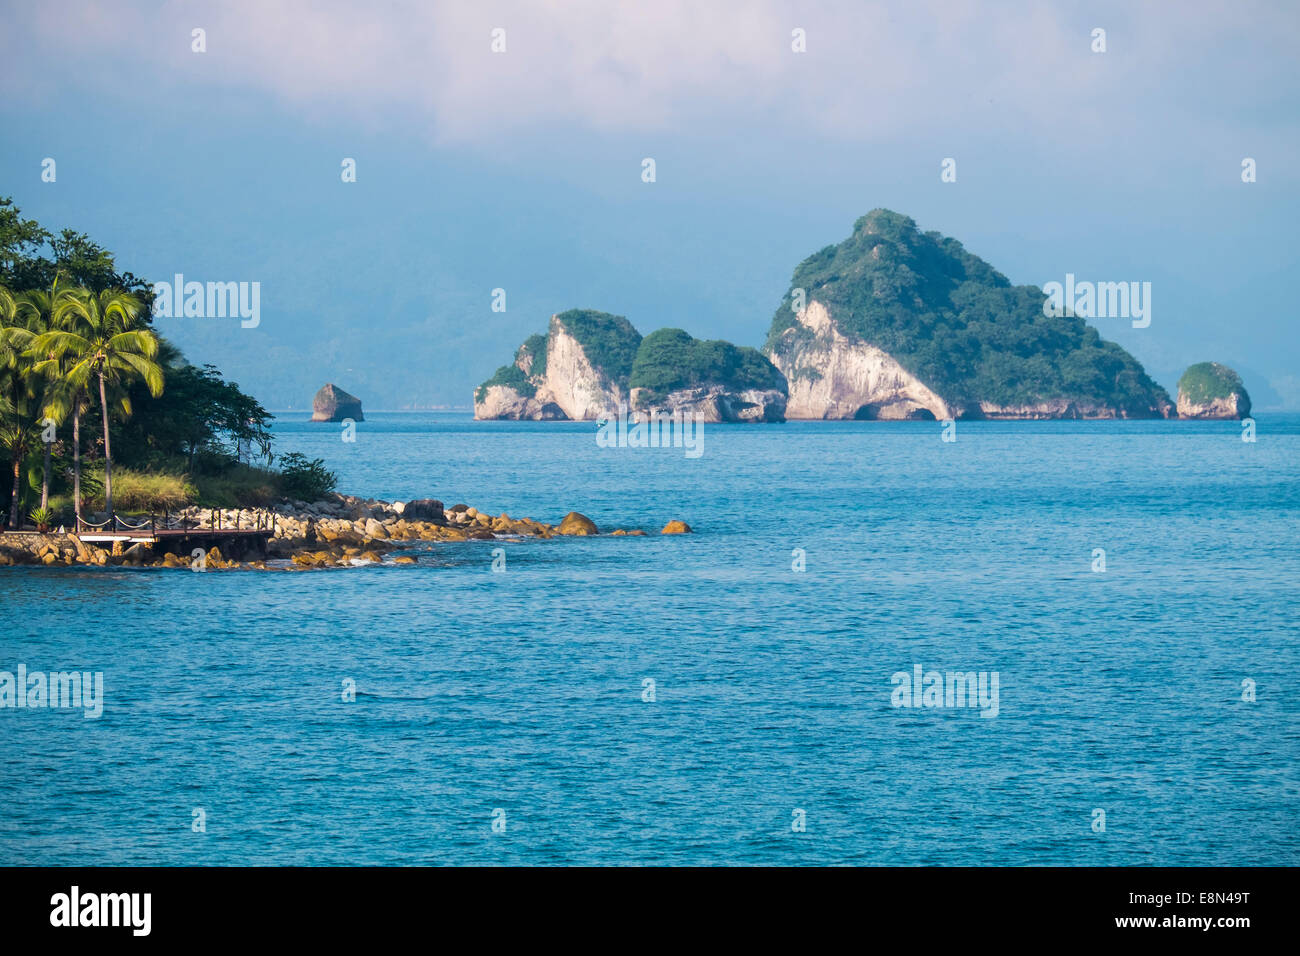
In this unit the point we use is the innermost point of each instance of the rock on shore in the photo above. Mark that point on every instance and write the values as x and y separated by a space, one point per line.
340 531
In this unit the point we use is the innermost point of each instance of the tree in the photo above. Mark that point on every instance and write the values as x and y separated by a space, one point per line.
19 239
8 353
202 414
101 337
16 432
36 306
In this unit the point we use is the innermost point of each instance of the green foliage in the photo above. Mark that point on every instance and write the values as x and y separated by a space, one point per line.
305 480
532 355
200 416
958 324
663 361
31 257
609 341
135 491
144 491
669 359
1206 381
238 486
72 319
20 241
41 517
508 375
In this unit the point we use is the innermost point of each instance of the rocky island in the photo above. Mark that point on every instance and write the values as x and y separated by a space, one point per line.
894 323
332 404
590 363
1210 390
891 324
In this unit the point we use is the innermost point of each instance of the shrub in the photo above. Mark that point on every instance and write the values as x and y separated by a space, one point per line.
532 354
238 486
305 480
508 375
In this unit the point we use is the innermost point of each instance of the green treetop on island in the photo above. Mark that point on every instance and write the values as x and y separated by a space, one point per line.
1206 381
670 359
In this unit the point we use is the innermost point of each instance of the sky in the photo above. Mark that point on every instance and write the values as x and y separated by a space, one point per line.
522 169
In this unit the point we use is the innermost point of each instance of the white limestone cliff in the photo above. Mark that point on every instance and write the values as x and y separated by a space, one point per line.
834 377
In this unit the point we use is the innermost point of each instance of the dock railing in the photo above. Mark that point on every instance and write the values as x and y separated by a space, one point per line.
154 524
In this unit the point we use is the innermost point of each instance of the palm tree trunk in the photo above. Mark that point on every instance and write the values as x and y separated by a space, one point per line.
45 476
76 458
13 505
108 451
18 457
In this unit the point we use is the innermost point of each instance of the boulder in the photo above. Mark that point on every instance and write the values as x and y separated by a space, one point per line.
424 509
676 527
332 404
577 524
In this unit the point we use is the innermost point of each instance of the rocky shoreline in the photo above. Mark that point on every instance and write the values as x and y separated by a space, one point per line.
341 531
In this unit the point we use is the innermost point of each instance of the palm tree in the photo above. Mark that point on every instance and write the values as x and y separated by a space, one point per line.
37 306
16 434
8 311
103 340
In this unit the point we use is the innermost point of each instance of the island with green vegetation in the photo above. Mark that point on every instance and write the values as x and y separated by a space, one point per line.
895 323
100 413
591 364
110 433
1211 390
891 324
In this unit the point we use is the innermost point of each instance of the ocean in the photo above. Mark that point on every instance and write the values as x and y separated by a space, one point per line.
723 697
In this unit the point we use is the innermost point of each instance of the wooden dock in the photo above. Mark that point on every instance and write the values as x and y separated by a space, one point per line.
174 534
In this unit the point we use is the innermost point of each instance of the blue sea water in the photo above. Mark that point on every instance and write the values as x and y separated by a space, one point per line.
522 691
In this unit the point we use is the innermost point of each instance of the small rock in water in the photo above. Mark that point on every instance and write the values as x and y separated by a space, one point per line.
577 524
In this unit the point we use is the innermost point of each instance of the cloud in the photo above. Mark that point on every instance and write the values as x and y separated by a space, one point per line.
871 70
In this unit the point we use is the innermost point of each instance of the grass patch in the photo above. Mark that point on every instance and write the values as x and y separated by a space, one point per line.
132 491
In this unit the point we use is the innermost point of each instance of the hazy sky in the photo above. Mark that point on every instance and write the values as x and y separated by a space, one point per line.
522 169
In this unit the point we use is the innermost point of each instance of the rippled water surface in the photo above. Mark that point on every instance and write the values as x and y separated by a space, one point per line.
523 691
